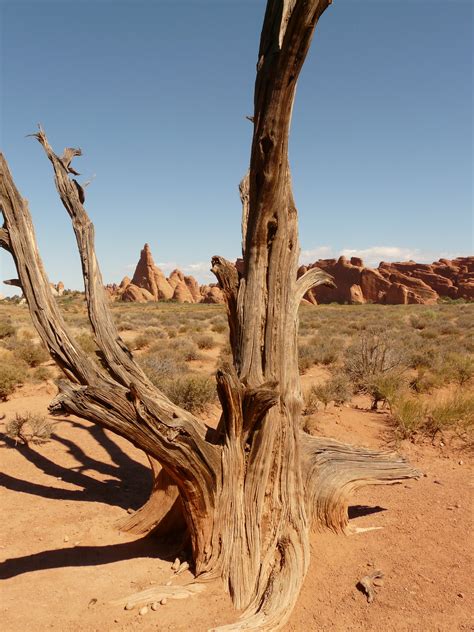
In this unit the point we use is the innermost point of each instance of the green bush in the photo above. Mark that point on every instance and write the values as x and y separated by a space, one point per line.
451 412
385 387
409 415
192 392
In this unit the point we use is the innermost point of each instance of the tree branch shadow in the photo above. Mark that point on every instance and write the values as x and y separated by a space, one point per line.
128 487
357 511
80 556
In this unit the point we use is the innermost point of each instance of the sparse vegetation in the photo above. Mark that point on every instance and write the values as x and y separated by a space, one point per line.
11 376
29 428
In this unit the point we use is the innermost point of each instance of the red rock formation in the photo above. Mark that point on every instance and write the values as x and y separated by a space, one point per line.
150 284
147 276
395 283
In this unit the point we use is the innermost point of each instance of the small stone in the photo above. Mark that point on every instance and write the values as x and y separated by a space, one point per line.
183 567
77 542
164 601
130 606
143 611
176 564
441 444
449 508
461 595
168 583
458 505
130 510
461 462
155 605
437 482
66 538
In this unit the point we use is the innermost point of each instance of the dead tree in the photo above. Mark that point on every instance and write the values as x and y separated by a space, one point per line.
248 493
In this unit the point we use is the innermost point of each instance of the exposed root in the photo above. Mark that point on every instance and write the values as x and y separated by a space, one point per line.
162 513
350 530
334 470
368 583
157 593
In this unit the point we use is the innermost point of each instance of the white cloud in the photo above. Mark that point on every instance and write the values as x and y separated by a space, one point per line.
200 269
320 252
375 254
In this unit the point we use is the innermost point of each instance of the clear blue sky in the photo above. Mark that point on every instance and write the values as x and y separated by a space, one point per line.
155 93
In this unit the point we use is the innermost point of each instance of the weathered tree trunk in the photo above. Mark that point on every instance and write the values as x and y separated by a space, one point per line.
249 492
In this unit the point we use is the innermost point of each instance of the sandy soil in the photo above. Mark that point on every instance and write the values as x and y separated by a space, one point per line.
63 561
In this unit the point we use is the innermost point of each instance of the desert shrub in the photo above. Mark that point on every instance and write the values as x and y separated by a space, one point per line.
161 365
155 332
337 389
32 354
141 341
86 342
408 414
326 350
219 327
460 367
430 333
424 381
305 357
185 348
205 341
451 412
29 428
125 325
11 376
42 373
385 387
224 359
6 330
371 355
192 392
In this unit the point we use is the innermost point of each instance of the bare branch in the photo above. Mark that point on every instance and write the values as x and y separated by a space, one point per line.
118 358
35 285
310 279
14 282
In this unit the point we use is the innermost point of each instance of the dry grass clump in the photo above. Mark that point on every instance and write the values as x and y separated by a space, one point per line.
30 353
29 428
192 392
11 376
205 341
337 389
414 416
6 330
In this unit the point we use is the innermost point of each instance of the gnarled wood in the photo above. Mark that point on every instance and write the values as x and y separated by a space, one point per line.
250 491
162 514
334 470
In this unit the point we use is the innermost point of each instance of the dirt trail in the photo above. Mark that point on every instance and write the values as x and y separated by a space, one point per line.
60 551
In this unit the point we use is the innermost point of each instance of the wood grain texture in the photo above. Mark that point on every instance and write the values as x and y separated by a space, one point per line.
249 492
